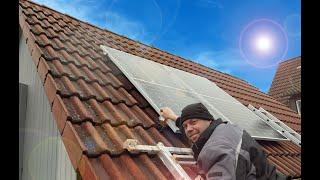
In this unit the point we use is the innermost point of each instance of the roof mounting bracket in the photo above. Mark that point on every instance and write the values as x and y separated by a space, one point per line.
170 156
277 124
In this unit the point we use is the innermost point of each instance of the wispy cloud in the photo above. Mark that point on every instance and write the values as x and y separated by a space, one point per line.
210 4
228 61
90 11
292 24
125 26
78 9
231 62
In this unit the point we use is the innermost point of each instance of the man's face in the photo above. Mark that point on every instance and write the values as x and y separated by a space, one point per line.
194 128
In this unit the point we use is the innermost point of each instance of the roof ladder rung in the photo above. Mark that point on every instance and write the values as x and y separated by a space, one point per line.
187 162
183 156
276 124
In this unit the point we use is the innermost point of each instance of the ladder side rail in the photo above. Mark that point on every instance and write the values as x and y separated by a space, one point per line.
283 125
293 138
274 125
265 119
176 170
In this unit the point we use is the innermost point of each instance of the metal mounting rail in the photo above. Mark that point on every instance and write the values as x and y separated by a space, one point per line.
169 155
277 124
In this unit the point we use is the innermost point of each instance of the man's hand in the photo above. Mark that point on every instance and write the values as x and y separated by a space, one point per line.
167 113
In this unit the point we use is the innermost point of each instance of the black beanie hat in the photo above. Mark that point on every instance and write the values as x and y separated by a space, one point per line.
197 110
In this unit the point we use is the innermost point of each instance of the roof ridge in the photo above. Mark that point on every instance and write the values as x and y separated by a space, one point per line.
291 59
150 46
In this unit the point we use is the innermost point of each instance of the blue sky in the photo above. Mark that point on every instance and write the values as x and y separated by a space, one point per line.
205 31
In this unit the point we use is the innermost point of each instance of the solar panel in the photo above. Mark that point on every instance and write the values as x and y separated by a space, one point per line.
245 118
166 86
169 97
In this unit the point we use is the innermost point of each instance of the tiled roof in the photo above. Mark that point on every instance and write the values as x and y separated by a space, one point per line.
287 81
96 108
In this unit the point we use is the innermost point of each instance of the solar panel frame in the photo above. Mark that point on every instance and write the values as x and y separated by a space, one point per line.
178 83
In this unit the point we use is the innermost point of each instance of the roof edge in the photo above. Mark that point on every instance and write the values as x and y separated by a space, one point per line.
291 59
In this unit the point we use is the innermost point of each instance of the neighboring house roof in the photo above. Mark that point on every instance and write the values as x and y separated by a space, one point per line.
287 81
96 108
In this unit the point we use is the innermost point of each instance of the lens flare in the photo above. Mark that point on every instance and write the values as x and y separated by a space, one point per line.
263 43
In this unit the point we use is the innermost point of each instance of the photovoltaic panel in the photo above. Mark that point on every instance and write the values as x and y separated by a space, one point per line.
245 118
151 71
164 86
169 97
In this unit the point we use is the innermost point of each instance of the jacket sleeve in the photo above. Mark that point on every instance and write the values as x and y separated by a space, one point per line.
219 162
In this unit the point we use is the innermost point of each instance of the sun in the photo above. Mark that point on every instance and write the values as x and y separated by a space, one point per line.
263 43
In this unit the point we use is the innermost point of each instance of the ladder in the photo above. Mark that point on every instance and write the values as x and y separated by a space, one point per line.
277 124
171 157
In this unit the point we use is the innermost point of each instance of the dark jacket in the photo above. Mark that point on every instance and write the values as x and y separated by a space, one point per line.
225 151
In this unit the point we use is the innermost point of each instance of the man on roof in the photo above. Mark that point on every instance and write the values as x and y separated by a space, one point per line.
222 150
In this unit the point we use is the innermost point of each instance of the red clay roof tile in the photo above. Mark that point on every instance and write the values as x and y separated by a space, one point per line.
86 170
43 69
73 144
50 88
60 113
109 166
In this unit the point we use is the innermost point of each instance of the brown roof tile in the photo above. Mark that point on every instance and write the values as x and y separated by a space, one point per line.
73 144
96 108
86 170
60 113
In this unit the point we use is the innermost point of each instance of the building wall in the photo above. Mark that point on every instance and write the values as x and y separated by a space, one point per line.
44 154
22 115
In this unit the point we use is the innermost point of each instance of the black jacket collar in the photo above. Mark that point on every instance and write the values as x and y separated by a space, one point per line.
198 145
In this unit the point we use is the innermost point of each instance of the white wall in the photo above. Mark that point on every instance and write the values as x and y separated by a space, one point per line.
22 115
44 155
